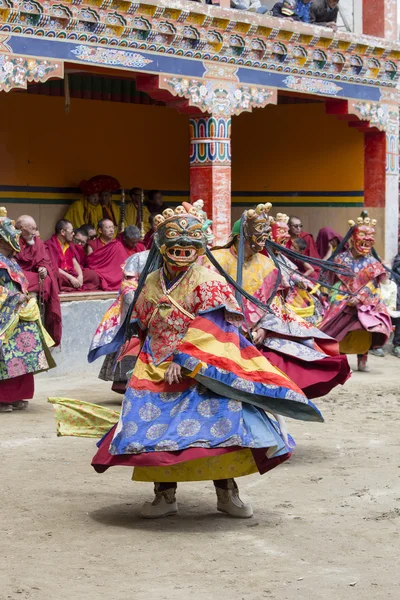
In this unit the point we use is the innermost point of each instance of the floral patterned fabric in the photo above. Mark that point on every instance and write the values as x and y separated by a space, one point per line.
23 349
307 355
216 404
168 311
370 314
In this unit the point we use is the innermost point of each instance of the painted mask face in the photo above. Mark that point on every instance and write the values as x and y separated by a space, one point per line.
9 234
363 239
181 241
256 231
280 233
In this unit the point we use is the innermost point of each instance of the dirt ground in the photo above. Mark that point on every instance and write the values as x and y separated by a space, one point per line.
326 524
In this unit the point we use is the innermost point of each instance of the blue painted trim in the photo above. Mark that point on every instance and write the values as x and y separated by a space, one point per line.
160 63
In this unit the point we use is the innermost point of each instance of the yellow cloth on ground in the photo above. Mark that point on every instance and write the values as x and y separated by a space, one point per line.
224 466
82 419
356 342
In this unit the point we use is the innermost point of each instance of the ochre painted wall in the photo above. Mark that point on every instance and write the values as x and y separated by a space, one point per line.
286 148
41 145
296 148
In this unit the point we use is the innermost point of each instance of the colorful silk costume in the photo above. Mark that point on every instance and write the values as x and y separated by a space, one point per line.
24 343
193 321
109 335
212 423
358 328
307 355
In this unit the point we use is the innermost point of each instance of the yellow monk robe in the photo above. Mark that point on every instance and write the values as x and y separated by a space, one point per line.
82 213
131 216
111 212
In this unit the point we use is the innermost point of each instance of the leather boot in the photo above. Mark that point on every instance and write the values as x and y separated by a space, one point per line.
163 505
229 501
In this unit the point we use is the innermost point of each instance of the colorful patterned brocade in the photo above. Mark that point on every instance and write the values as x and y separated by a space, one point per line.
370 315
24 343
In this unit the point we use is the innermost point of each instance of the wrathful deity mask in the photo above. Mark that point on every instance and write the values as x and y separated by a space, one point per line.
280 229
179 236
8 233
257 226
363 236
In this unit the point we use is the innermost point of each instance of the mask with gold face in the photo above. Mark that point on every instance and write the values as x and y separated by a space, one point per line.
280 229
8 233
179 236
363 236
257 226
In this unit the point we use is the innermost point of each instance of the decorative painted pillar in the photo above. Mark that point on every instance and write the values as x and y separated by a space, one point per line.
210 170
219 94
381 165
379 18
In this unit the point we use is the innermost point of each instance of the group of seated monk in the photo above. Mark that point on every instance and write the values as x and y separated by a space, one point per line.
98 204
88 247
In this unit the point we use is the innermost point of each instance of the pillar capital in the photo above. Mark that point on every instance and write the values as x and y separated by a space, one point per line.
219 92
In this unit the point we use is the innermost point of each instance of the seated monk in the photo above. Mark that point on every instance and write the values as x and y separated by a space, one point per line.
296 231
35 262
106 234
65 259
148 238
136 211
130 238
88 209
107 259
107 186
90 231
81 243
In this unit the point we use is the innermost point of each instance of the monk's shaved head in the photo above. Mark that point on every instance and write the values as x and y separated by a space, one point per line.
25 220
28 227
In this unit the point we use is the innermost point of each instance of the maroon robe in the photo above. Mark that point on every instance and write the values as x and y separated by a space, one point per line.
325 236
311 249
64 261
107 262
30 258
97 244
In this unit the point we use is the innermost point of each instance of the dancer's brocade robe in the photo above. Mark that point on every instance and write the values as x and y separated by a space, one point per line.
307 355
24 343
109 335
212 424
366 325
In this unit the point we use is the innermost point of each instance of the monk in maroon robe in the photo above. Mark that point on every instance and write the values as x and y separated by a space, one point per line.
108 258
106 234
37 267
65 259
296 231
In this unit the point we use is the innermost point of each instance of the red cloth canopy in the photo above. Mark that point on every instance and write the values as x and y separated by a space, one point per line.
30 259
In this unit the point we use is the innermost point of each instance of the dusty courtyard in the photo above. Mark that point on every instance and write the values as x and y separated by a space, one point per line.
326 524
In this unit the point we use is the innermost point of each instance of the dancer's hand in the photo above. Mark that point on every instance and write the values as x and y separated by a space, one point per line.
173 374
353 302
259 336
